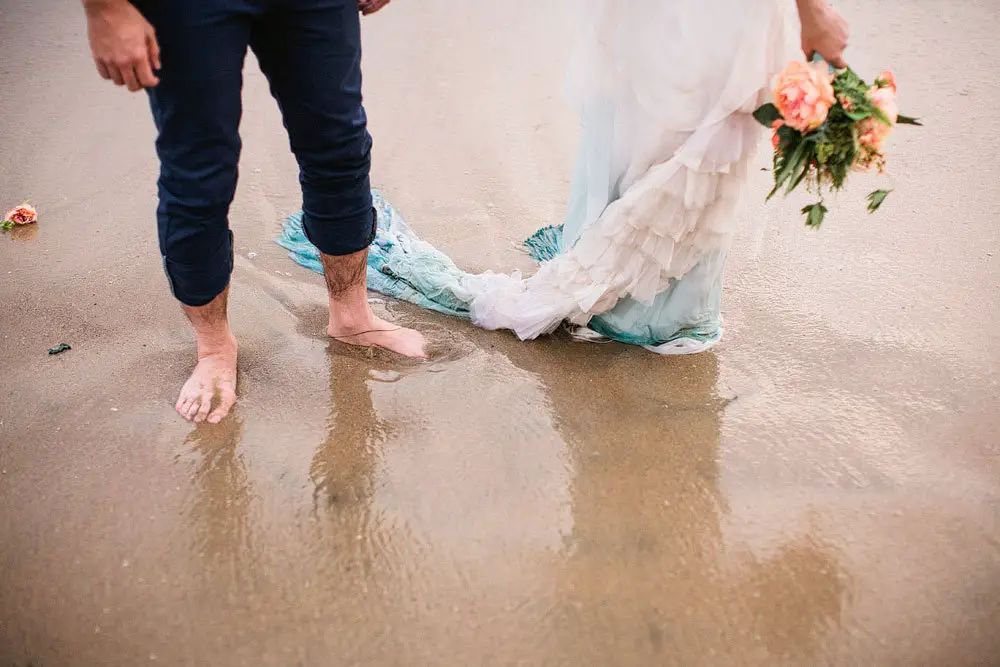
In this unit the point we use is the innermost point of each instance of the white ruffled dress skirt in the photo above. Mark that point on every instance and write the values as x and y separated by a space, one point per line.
665 91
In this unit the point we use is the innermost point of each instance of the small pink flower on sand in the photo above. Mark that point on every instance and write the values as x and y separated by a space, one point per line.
22 215
803 94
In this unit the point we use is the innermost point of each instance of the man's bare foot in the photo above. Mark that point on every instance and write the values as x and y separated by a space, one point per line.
214 374
379 333
351 318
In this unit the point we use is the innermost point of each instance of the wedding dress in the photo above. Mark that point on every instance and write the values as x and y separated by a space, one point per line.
665 90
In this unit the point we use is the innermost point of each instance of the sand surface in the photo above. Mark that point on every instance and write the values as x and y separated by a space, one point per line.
824 489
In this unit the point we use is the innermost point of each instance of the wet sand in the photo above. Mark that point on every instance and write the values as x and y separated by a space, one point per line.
824 489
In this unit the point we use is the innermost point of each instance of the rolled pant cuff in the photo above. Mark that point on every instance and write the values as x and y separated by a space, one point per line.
197 284
345 236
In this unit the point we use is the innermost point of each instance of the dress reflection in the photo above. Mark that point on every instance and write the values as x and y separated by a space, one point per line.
647 577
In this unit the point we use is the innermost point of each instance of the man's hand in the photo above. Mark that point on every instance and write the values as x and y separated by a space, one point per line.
371 6
824 31
123 43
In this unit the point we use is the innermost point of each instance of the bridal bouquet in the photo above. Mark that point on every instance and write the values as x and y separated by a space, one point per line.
827 124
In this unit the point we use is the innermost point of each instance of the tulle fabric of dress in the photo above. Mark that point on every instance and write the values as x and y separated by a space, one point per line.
665 90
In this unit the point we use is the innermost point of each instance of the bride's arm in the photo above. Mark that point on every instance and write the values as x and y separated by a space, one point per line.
824 31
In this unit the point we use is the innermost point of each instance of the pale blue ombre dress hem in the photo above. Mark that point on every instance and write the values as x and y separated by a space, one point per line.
682 319
687 313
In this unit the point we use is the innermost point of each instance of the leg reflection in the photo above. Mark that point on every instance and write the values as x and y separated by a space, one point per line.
343 468
220 512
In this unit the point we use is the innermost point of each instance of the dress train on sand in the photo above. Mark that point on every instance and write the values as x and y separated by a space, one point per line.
665 90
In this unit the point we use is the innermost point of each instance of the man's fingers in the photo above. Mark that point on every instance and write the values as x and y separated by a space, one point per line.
145 75
102 69
154 50
116 74
131 80
135 74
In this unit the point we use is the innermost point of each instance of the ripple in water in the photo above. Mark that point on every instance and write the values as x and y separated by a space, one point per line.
444 347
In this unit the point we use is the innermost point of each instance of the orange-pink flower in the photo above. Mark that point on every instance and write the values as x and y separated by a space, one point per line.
775 138
22 215
887 79
885 99
803 94
872 132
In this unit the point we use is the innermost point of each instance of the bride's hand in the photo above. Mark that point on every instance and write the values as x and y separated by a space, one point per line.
824 31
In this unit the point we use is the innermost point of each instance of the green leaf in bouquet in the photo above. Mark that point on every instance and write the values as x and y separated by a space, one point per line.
778 161
847 82
794 183
878 113
818 136
798 161
814 214
908 120
876 198
788 164
767 114
838 173
825 150
859 113
788 139
809 157
854 104
880 83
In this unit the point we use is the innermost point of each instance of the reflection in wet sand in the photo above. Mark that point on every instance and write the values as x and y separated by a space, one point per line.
647 576
459 523
343 467
523 514
24 232
795 597
220 511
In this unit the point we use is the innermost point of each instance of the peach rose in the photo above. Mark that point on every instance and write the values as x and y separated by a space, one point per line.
887 79
803 94
22 215
885 99
872 132
775 139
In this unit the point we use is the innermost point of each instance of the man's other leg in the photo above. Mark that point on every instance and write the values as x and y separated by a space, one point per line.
310 51
197 108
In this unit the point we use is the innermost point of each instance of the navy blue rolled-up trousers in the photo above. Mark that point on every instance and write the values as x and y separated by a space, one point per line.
310 52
